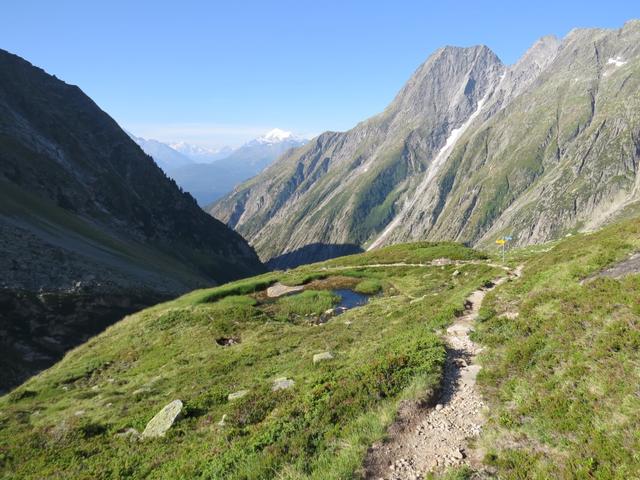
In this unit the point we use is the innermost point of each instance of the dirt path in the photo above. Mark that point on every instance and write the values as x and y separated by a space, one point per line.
424 440
439 262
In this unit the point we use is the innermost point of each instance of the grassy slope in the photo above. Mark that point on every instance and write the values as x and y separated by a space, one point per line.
562 378
63 422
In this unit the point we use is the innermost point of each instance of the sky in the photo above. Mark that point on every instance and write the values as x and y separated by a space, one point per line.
219 73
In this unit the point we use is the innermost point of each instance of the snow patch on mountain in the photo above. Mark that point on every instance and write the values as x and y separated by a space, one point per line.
617 61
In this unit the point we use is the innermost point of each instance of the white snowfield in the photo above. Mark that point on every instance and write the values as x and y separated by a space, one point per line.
618 61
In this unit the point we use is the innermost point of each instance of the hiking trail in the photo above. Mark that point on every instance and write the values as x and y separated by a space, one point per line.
430 439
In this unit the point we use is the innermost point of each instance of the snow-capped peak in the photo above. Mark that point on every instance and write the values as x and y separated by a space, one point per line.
275 136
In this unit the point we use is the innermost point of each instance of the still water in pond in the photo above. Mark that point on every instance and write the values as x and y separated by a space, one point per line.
350 299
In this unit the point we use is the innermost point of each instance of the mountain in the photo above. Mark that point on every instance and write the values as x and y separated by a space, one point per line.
165 156
209 181
469 150
199 154
90 227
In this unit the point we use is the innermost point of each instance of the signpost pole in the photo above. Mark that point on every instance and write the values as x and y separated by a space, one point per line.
503 242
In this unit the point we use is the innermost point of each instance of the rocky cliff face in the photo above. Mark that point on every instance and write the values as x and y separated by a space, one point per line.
88 220
469 150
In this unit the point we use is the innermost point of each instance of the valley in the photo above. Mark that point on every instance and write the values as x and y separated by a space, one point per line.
447 290
344 377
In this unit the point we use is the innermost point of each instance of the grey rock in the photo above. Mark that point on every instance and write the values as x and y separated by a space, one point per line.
163 420
320 357
237 395
282 384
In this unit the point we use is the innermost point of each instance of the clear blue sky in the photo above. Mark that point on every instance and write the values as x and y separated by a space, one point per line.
215 72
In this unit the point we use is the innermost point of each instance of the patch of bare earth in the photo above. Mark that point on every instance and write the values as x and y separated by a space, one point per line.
436 436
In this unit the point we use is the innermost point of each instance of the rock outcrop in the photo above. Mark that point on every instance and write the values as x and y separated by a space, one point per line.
163 420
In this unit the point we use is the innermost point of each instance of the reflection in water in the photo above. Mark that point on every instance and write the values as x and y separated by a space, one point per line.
350 299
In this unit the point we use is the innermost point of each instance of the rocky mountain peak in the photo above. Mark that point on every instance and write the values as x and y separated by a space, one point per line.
449 74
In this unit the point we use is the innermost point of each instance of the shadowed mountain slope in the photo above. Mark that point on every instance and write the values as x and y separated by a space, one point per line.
90 227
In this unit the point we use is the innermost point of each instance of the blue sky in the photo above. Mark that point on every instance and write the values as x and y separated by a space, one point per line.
217 73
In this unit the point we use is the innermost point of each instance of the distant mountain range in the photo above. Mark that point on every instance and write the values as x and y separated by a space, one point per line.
469 150
167 157
199 154
90 227
209 174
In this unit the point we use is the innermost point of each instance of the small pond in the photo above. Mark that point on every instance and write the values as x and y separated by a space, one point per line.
350 299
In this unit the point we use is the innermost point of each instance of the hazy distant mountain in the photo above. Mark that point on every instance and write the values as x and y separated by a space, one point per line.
209 181
165 156
469 150
201 154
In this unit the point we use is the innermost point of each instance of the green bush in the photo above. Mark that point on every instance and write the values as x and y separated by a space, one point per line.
306 303
368 287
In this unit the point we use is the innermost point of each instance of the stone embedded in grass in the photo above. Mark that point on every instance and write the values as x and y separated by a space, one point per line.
164 419
222 421
278 290
237 395
282 384
227 341
320 357
132 433
330 313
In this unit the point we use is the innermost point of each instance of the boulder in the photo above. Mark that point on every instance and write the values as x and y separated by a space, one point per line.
320 357
278 290
237 395
163 421
330 313
282 384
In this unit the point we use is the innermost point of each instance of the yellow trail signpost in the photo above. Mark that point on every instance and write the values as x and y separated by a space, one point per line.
503 241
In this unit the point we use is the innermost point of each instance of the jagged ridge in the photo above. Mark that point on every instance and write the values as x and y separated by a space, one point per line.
535 150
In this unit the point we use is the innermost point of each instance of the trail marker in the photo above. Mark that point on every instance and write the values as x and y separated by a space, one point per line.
503 241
